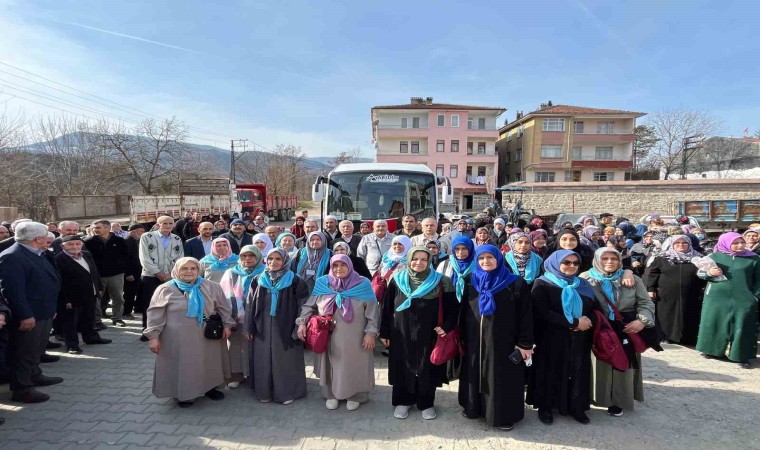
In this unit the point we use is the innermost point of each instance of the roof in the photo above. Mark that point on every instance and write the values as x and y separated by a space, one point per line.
446 106
382 167
570 110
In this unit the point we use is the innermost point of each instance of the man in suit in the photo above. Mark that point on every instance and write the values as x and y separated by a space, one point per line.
237 236
134 270
30 284
331 230
347 235
200 246
80 285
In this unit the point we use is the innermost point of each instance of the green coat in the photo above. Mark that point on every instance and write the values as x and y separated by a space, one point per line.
729 311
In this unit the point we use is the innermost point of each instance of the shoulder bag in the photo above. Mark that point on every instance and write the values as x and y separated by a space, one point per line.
213 327
449 346
318 331
380 283
606 345
639 346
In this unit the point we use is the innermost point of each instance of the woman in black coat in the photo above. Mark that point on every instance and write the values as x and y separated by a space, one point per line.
497 323
567 239
673 284
561 372
410 328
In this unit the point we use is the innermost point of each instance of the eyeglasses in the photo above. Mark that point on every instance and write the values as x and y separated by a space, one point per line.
571 263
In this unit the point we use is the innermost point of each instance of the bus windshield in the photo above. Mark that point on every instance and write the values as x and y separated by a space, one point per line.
371 195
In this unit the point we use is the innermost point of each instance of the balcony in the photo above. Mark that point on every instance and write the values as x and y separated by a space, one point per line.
607 163
395 131
476 180
603 138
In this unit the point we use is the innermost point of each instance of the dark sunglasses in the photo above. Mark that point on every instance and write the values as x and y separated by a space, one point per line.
571 263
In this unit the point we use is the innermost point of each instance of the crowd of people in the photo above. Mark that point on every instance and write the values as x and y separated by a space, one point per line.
557 321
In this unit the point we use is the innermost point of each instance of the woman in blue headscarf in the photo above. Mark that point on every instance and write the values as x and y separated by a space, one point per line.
521 260
497 322
409 326
274 301
312 261
562 308
610 387
187 364
218 261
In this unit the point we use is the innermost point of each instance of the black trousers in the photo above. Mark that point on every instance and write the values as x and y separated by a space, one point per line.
79 319
132 294
149 286
24 351
424 399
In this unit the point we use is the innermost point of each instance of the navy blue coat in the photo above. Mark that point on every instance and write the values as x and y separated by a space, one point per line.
247 240
29 283
194 248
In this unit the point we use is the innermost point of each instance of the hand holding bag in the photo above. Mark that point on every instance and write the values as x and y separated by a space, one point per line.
449 346
639 346
213 327
606 344
318 331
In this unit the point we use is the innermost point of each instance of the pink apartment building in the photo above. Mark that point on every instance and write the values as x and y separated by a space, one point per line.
455 141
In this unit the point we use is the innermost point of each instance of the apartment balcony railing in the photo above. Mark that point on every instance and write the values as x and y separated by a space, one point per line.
485 128
601 158
593 132
475 179
399 127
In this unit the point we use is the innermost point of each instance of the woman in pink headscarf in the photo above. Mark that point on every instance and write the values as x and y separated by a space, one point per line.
729 309
218 261
345 369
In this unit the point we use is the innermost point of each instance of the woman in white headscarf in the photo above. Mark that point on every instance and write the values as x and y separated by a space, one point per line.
395 259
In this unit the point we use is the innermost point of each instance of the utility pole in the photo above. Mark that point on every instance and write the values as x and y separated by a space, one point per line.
689 145
233 159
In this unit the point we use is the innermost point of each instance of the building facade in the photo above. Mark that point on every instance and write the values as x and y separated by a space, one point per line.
455 141
567 143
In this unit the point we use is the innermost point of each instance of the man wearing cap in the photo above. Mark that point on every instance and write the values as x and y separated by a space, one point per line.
605 219
66 228
237 236
132 289
30 283
159 250
200 245
80 285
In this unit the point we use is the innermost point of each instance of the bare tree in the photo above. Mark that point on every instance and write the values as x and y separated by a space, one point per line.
347 157
671 127
725 154
11 129
150 152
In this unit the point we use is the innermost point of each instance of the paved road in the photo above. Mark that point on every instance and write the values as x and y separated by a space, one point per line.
106 402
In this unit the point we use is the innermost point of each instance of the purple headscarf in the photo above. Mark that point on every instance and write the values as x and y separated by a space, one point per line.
352 280
724 245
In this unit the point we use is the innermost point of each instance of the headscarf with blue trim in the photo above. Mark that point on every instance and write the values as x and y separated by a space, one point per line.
526 265
572 286
426 281
488 283
262 237
391 258
317 259
340 291
276 280
605 279
220 261
195 298
460 268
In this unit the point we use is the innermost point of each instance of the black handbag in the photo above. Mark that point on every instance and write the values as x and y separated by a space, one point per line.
213 327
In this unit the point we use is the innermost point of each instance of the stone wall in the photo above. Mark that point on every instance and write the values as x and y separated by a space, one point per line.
629 198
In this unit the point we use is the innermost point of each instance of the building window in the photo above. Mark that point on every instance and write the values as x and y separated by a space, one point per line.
481 148
518 155
509 157
441 120
506 178
554 124
454 146
604 153
415 122
415 146
577 152
469 148
604 176
404 147
440 146
605 127
469 123
453 171
481 171
544 177
572 175
578 127
520 132
439 170
551 151
455 121
518 176
481 123
404 122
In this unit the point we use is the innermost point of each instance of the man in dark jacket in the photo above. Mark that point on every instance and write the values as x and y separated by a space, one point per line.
179 226
111 255
80 285
134 269
200 245
30 284
237 236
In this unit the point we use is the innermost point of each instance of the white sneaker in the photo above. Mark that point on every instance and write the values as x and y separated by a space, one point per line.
287 402
401 412
331 403
429 414
351 406
233 384
265 400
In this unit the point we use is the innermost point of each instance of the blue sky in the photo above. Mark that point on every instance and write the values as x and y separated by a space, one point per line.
307 73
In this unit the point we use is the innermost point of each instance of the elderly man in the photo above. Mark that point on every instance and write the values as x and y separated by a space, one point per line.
331 229
272 231
605 219
408 227
111 255
347 235
429 234
80 285
67 228
132 289
374 245
30 284
192 227
308 227
118 230
200 246
237 236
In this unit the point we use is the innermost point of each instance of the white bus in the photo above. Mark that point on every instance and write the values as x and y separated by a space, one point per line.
365 192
